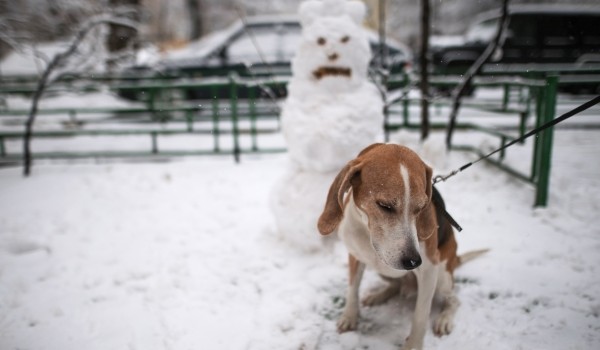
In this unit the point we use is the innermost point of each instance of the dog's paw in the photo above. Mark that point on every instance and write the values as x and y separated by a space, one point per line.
443 325
347 323
409 345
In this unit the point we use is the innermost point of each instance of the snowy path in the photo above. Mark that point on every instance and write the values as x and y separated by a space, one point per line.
183 255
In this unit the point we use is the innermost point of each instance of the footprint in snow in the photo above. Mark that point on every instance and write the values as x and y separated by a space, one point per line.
21 247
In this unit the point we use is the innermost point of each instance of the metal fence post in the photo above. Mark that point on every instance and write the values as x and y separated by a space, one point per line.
189 118
505 97
545 140
154 143
234 117
540 93
215 118
252 106
405 107
2 148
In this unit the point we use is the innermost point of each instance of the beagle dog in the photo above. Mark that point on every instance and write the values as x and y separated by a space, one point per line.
381 206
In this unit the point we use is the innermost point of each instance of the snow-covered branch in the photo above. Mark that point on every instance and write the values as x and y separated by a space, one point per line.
7 33
60 60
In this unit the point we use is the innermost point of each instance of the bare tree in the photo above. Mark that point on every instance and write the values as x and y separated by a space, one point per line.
61 60
475 69
196 23
9 38
424 65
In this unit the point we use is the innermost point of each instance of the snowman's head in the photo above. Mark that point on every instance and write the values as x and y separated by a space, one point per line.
334 49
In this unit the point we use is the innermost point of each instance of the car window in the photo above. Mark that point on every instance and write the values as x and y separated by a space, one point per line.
269 43
522 31
558 30
590 31
483 31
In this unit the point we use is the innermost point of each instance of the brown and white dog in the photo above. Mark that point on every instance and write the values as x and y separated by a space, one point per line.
381 205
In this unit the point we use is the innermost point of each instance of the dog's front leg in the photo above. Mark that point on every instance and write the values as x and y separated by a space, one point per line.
349 318
426 281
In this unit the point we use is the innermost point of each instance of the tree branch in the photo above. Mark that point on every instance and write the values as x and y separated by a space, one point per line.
475 69
57 61
424 64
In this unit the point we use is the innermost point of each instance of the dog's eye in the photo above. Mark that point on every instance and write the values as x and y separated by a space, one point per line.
345 39
386 207
321 41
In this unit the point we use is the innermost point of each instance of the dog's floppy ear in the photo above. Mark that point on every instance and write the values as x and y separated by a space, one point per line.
428 183
333 211
426 220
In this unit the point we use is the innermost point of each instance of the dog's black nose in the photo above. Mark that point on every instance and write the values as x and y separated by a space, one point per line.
410 263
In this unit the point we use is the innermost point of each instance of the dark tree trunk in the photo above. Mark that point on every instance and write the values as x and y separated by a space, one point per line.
121 37
57 61
423 64
475 69
195 8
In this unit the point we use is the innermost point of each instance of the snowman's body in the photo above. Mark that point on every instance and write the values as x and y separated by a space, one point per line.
324 132
332 110
331 113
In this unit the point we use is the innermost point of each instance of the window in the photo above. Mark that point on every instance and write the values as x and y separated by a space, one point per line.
268 43
522 31
483 31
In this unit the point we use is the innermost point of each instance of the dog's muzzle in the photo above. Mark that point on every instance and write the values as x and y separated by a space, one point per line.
406 261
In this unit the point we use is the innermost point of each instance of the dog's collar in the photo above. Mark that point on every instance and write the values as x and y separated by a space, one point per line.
439 204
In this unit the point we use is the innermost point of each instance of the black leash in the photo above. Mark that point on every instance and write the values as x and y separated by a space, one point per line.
551 123
562 118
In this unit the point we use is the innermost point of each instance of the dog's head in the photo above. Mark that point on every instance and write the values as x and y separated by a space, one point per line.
391 190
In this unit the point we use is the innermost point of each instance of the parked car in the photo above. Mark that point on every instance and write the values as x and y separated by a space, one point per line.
255 47
550 37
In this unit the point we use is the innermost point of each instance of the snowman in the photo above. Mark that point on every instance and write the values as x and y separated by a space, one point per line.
331 113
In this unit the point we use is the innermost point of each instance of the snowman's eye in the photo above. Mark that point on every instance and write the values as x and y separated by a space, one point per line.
345 39
321 41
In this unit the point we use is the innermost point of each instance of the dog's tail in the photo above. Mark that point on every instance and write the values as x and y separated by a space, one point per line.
466 257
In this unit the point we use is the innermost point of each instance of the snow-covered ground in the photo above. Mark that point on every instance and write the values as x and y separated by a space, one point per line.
185 255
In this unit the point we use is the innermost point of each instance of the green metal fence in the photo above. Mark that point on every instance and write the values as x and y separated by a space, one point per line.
522 98
544 97
239 117
224 121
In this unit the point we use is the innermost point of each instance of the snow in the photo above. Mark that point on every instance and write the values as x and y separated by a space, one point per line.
75 100
207 44
187 254
31 60
184 255
440 41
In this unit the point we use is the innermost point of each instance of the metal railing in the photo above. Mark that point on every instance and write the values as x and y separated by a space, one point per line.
238 117
533 96
213 119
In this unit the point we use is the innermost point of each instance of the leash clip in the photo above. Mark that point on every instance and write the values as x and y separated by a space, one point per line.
441 178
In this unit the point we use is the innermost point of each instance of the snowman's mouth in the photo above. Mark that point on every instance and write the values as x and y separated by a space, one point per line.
330 71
